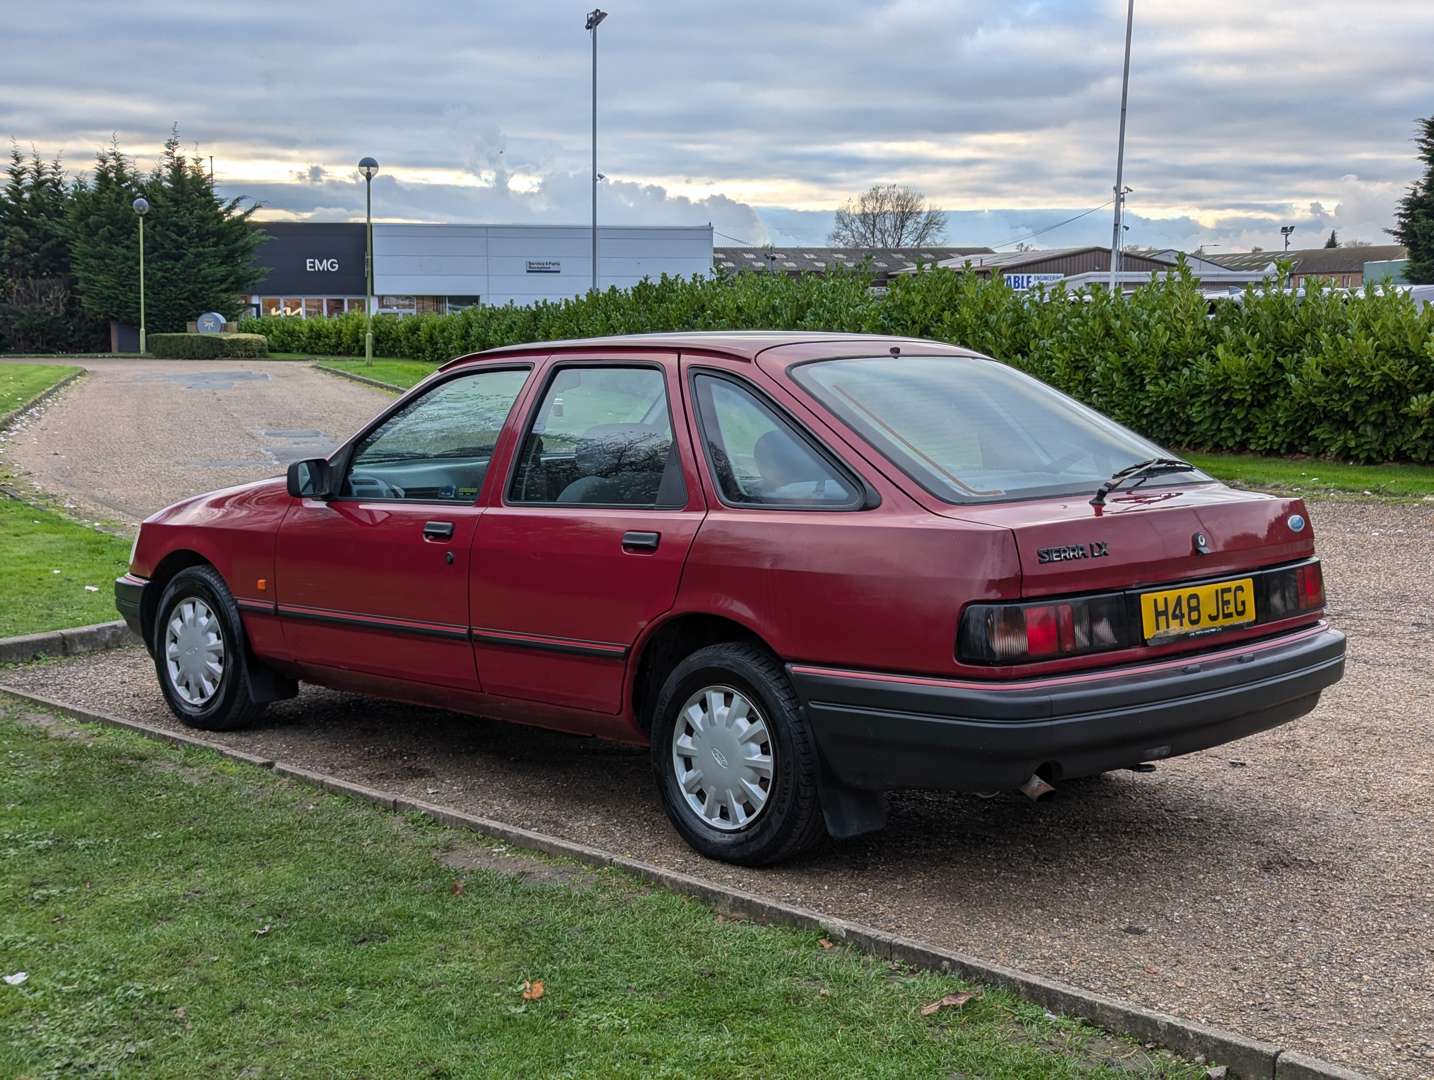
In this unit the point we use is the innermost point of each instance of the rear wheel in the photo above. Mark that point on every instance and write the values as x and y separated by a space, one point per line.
735 760
199 653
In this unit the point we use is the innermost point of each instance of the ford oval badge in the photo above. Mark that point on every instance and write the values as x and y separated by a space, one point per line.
1296 523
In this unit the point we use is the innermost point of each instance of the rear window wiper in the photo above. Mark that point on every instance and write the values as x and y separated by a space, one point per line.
1140 472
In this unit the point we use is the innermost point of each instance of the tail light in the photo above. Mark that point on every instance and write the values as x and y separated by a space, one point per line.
1292 591
1008 633
1077 626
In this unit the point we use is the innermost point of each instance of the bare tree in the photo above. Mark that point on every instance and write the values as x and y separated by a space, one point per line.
887 216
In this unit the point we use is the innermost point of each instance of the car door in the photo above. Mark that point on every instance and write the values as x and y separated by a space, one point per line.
586 544
375 579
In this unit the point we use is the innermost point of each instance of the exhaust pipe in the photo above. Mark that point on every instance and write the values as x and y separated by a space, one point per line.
1035 788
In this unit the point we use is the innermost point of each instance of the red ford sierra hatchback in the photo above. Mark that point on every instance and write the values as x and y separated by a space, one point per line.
804 568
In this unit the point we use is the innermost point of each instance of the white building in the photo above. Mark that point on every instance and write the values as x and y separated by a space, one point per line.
317 268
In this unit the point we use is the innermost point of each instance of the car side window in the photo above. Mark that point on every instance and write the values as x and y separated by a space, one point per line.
438 446
601 437
759 458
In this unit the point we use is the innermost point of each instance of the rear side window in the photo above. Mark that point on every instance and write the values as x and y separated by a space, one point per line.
758 458
438 446
602 436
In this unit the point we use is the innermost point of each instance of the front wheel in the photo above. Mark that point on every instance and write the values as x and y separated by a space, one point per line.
199 653
735 760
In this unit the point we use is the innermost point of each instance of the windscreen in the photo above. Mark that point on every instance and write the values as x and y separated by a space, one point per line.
973 430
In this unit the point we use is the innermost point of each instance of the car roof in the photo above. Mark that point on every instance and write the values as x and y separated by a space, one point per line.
743 344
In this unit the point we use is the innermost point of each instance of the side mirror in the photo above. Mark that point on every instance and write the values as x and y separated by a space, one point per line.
311 479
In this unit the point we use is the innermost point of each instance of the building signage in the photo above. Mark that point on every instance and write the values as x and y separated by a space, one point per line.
1022 282
308 258
211 322
545 266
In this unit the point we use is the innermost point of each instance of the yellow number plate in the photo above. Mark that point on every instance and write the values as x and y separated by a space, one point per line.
1174 612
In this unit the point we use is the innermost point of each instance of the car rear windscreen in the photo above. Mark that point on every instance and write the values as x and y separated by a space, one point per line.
974 430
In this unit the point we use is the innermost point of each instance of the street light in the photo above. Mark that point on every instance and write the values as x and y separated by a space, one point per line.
595 18
141 207
1285 231
368 166
1115 234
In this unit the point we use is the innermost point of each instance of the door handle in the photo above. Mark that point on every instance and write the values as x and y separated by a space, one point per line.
640 541
438 530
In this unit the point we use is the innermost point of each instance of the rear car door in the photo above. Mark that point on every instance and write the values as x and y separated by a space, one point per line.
376 578
586 545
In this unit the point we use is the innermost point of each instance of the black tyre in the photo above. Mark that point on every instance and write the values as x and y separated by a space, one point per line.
200 654
735 760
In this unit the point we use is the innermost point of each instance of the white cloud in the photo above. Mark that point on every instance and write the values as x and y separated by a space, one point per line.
1241 114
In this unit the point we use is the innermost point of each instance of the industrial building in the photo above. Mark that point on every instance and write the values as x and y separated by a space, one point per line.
1342 267
317 269
1080 266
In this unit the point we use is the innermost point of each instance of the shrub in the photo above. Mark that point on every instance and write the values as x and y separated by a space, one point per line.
206 346
1329 373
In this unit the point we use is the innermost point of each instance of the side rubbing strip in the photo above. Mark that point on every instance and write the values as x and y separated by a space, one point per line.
598 649
375 622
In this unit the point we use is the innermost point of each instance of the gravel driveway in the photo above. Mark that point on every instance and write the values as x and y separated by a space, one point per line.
133 436
1282 886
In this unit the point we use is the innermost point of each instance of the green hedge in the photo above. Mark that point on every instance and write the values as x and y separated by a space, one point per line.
1339 375
206 346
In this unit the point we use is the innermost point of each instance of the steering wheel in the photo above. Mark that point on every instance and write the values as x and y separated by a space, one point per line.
367 486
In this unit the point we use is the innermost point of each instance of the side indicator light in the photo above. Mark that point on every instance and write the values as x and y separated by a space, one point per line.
263 584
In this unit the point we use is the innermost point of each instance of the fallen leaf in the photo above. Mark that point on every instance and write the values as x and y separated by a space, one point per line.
825 944
532 991
92 588
181 1013
263 930
950 1001
17 979
457 889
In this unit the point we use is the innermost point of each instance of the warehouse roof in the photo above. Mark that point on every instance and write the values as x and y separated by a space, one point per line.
815 260
1340 260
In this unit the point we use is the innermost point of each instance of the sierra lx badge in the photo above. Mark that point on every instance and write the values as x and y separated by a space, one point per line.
1095 550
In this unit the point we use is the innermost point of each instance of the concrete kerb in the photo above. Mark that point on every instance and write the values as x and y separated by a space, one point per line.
1244 1057
393 387
39 399
73 641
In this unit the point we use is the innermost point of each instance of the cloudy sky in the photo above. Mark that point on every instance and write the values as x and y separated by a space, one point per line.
759 117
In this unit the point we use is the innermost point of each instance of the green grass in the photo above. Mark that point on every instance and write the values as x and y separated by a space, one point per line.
21 384
36 543
1313 476
402 373
181 915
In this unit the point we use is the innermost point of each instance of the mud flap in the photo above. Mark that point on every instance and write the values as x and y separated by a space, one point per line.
266 685
849 811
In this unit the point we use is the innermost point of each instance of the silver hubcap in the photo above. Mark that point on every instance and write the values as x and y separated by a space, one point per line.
723 757
194 651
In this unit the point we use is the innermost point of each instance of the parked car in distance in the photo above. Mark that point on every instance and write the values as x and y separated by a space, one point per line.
805 569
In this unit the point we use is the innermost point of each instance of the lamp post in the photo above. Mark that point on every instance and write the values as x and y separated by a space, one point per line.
368 166
1285 231
141 207
1115 233
595 18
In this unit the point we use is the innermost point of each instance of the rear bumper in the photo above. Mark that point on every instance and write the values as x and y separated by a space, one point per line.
879 731
129 599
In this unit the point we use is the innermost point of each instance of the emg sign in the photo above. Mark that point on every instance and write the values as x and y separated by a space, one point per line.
327 266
